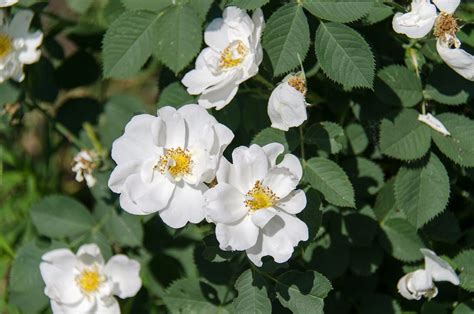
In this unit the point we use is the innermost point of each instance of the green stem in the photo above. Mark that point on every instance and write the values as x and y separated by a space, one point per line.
303 153
93 138
264 81
313 71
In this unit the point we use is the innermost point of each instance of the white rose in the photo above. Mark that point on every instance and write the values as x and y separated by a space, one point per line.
233 55
254 203
420 283
287 104
7 3
163 163
424 17
83 283
17 45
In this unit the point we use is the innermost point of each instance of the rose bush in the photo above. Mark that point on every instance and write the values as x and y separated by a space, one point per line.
236 156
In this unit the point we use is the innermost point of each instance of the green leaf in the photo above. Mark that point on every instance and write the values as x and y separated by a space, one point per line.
464 308
151 5
366 175
342 11
128 43
79 6
443 228
286 36
58 216
406 138
401 240
422 193
271 135
459 146
175 95
357 137
377 13
125 229
248 4
179 37
465 264
9 93
303 292
328 136
186 296
447 87
26 287
344 55
398 86
201 7
385 203
252 294
328 178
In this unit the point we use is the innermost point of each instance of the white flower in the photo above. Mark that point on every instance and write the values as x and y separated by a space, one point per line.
254 203
84 164
163 163
17 45
424 17
433 123
420 283
7 3
233 55
287 104
83 283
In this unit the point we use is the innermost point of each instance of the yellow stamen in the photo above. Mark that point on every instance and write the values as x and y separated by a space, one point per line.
176 161
233 55
446 27
89 280
298 82
260 197
5 45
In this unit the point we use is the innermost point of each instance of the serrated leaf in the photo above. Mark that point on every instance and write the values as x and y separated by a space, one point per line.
406 138
328 136
328 178
366 175
344 55
465 264
179 37
252 294
459 146
342 11
58 216
398 86
422 193
385 203
248 4
401 240
201 7
286 36
357 137
128 43
150 5
175 95
303 292
377 13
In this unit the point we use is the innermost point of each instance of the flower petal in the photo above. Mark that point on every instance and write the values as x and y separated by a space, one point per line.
433 123
403 288
221 94
125 275
120 174
294 203
292 163
203 76
238 236
448 6
90 254
418 22
224 203
280 181
175 127
251 165
439 269
108 305
457 59
215 35
186 205
262 216
273 150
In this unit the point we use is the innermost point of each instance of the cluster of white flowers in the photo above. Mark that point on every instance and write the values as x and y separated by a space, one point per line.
420 283
17 45
83 283
423 18
84 164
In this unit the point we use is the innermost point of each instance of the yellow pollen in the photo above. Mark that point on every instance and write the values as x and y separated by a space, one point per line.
260 197
176 161
298 83
5 45
446 27
233 54
89 280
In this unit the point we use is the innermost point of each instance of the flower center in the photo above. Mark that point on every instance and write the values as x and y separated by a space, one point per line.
176 161
233 54
260 197
89 280
446 27
298 83
5 45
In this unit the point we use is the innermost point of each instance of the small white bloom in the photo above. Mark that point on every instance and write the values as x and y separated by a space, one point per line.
233 55
83 165
433 123
423 18
287 104
254 203
17 45
7 3
83 283
420 283
164 162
